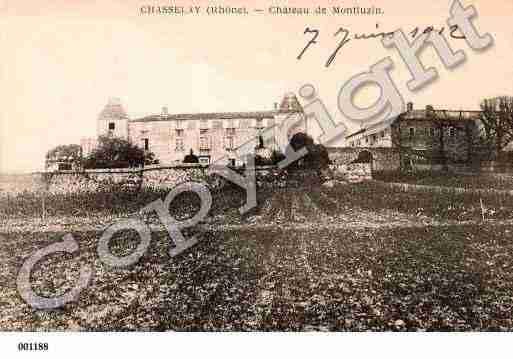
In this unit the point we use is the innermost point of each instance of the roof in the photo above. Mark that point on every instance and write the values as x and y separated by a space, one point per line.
356 133
208 116
453 114
113 109
288 104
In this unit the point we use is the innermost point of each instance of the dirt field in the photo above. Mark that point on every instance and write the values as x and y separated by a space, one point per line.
360 257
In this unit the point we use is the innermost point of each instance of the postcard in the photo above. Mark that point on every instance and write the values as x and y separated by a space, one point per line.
240 167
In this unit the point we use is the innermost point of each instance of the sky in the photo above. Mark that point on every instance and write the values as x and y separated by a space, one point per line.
63 60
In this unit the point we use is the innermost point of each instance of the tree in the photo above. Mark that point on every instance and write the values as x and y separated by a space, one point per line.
497 121
191 158
68 154
114 152
277 157
316 157
300 140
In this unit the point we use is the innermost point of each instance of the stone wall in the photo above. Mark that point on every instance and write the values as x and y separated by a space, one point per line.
169 177
352 173
383 158
162 178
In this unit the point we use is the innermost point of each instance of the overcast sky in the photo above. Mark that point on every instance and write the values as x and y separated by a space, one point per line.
63 60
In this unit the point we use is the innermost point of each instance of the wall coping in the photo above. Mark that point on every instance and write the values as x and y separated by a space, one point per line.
370 149
140 170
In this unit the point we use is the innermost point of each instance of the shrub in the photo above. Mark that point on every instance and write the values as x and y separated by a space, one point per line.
316 158
113 152
191 158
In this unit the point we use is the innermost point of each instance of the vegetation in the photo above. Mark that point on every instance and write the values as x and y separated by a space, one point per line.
191 158
447 179
317 259
70 155
497 120
316 158
113 152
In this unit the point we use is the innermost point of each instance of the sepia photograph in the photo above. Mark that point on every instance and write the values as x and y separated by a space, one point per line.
274 174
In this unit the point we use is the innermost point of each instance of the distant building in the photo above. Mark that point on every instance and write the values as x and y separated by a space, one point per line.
423 132
211 136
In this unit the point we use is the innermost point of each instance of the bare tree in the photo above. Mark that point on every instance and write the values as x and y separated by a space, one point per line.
497 121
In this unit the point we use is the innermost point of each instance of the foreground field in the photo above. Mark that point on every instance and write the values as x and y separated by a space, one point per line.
448 179
433 278
343 258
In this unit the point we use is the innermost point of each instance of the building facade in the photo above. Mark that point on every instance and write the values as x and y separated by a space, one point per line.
428 133
223 137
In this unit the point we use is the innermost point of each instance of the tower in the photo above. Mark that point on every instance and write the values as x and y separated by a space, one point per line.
113 120
290 118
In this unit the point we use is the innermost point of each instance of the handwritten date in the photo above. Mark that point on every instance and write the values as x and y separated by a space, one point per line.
346 36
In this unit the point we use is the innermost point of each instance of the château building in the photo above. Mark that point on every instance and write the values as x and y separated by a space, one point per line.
211 136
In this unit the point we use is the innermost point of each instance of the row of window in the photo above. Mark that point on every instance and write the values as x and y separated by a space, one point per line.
373 138
179 132
429 131
411 132
204 143
203 124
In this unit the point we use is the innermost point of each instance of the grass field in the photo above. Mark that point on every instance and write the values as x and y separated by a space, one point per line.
351 257
447 179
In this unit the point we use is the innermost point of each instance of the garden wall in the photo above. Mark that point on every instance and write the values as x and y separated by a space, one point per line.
352 173
383 158
163 178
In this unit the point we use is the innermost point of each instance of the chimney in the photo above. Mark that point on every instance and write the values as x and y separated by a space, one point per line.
409 106
164 111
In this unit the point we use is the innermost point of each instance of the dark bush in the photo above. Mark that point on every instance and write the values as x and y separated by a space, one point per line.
191 158
113 152
316 158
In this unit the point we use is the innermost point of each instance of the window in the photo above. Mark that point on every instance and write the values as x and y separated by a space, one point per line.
230 139
432 132
179 124
259 123
452 131
204 143
179 144
412 132
229 143
366 139
146 144
374 138
426 131
112 126
382 134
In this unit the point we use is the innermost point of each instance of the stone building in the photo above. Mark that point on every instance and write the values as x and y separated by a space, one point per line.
427 135
211 136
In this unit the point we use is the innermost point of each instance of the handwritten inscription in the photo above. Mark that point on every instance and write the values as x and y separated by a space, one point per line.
346 36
